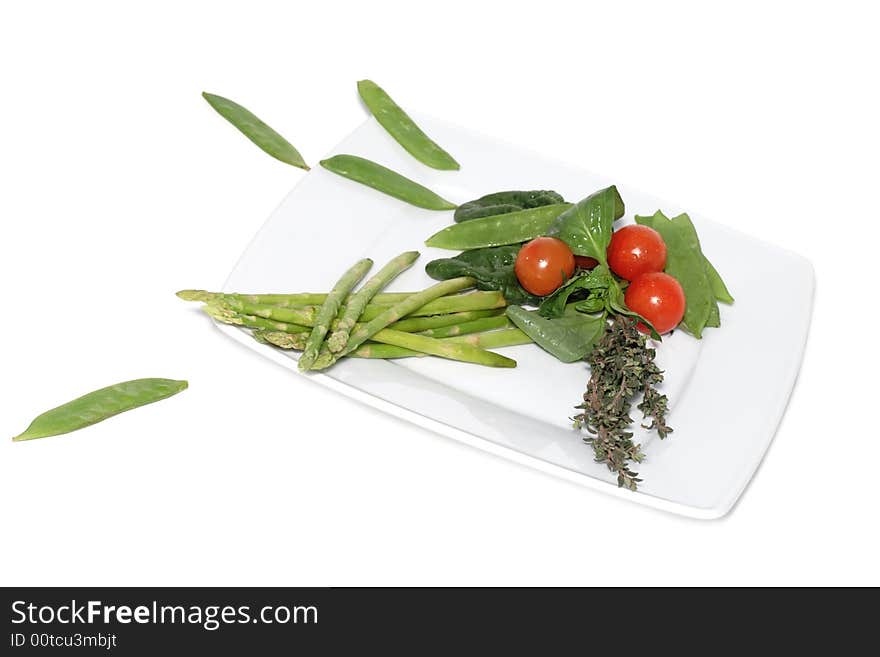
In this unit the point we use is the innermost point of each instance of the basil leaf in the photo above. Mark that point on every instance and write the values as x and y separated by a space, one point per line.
592 304
569 338
586 226
685 262
596 280
492 267
504 202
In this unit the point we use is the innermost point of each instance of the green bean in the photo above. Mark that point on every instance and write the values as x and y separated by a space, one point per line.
255 130
404 130
99 405
498 230
386 181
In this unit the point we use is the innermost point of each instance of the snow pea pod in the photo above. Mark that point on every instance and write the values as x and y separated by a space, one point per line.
99 405
386 181
256 130
498 230
399 125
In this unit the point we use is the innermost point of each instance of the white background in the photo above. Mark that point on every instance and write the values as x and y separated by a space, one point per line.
119 185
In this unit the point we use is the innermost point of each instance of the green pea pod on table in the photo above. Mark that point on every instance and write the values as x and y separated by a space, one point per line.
256 130
385 180
402 128
100 405
505 202
498 230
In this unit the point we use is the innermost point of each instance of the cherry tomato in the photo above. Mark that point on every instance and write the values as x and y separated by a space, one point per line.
657 297
543 264
636 250
585 262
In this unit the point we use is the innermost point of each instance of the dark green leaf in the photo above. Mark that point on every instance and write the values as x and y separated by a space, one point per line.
492 267
596 280
504 202
586 226
569 338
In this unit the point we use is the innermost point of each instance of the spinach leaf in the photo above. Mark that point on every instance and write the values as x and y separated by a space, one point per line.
504 202
596 281
492 267
586 226
569 338
686 263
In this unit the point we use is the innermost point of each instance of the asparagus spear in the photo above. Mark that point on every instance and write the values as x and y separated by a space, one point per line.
419 343
463 328
449 304
358 302
493 339
403 308
368 350
266 305
286 300
304 316
422 324
329 310
222 312
227 316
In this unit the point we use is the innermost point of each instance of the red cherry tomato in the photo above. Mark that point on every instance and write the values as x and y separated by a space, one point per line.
657 297
543 264
585 262
636 250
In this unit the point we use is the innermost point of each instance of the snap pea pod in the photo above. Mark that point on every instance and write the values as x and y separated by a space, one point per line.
719 289
399 125
386 181
498 230
255 130
100 405
330 309
686 263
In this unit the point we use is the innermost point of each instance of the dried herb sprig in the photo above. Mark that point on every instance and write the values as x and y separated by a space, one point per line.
622 365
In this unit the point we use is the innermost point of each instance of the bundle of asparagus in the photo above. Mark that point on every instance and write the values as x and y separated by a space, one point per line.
441 320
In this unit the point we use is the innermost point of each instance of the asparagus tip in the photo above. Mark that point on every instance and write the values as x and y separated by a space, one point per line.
194 295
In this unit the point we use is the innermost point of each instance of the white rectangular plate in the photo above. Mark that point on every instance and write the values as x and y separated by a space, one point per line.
727 392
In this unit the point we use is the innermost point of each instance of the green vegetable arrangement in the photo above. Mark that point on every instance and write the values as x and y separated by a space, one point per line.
493 294
585 316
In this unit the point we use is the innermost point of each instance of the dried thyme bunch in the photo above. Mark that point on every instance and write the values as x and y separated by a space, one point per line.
622 366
